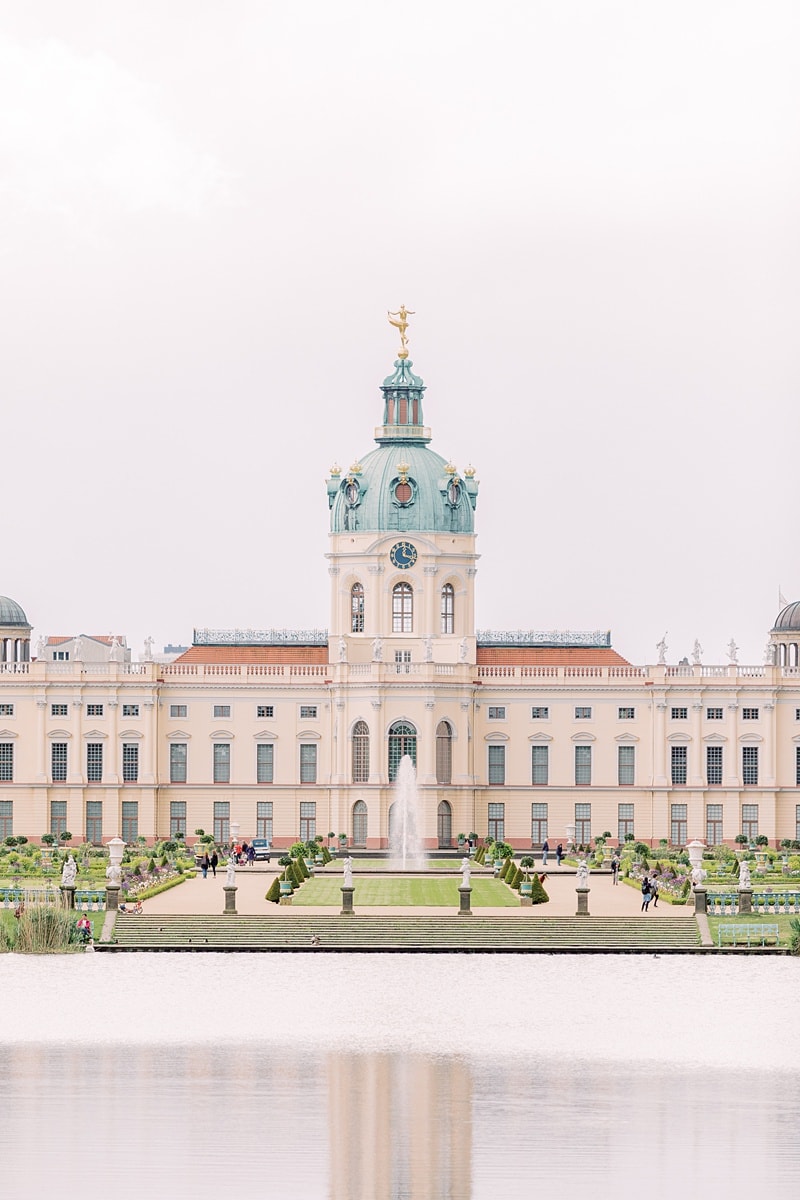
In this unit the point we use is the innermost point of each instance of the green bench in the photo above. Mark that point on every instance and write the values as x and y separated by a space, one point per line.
741 935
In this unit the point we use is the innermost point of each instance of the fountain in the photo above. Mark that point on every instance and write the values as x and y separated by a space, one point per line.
405 837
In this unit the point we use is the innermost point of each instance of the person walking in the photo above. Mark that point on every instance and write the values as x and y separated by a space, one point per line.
645 894
559 853
654 889
545 852
615 870
214 863
251 855
205 864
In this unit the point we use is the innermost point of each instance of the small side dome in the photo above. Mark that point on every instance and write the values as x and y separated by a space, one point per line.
12 613
788 619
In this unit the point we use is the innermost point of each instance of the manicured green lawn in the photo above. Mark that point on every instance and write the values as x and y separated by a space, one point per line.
782 921
383 864
372 891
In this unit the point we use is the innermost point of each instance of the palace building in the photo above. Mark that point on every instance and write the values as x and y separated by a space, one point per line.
286 734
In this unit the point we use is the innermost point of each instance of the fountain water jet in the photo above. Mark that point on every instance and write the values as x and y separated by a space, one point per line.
405 826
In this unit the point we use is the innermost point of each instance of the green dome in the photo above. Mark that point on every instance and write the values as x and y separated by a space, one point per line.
403 485
11 613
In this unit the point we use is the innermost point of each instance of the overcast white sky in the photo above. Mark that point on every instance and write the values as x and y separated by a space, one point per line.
206 210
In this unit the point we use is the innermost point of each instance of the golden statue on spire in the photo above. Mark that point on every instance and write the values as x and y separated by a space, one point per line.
402 324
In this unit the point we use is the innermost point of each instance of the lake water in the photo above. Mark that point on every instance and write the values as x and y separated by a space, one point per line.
347 1076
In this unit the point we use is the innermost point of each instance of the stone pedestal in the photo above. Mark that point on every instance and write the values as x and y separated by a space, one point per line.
583 902
745 900
68 896
347 902
465 894
700 900
230 898
112 897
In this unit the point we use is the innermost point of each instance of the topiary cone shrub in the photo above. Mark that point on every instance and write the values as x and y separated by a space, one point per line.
274 891
538 894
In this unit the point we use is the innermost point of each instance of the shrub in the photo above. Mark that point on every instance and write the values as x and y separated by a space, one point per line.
284 860
507 863
326 854
297 876
740 839
761 840
527 862
300 866
43 929
274 891
794 937
641 849
794 862
538 894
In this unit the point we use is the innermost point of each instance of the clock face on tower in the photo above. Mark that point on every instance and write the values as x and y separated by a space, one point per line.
403 555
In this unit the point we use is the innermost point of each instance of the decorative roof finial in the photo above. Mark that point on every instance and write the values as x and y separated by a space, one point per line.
402 325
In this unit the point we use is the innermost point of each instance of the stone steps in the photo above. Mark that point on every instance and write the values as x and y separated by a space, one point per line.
404 933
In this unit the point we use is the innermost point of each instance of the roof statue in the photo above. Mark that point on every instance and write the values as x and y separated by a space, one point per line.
662 648
402 324
697 653
733 651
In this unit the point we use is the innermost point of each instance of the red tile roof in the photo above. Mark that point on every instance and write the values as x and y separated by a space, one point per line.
254 654
543 656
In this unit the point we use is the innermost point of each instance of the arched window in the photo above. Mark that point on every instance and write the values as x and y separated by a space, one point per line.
359 823
360 752
444 753
444 824
448 608
357 608
402 740
402 608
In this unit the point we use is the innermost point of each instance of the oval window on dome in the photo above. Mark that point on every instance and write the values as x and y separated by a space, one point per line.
351 492
454 493
403 492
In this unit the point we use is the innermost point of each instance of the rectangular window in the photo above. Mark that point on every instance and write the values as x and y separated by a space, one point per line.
626 766
59 710
308 712
308 764
624 822
6 710
714 824
130 821
497 764
496 713
94 710
797 766
58 762
678 820
222 821
264 819
222 710
583 714
797 718
94 821
540 714
714 766
679 765
540 766
679 714
58 817
130 765
402 662
714 714
178 710
750 821
583 766
265 711
626 714
749 766
538 823
6 762
6 818
177 762
265 762
308 821
177 818
497 822
130 710
583 824
94 765
797 822
749 714
222 762
61 656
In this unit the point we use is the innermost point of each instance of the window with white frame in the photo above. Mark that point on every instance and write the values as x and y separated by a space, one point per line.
714 766
265 762
130 710
496 821
308 712
402 608
6 818
583 823
540 713
177 818
583 767
540 766
402 662
582 713
448 608
130 821
749 714
222 762
714 714
360 752
6 762
94 710
222 821
59 710
58 762
797 822
94 764
264 819
678 824
626 766
402 741
357 608
308 763
94 821
177 762
497 712
679 714
178 710
714 824
497 764
538 824
626 713
6 710
222 710
797 766
58 817
265 711
679 764
750 821
130 763
444 753
749 766
624 822
308 820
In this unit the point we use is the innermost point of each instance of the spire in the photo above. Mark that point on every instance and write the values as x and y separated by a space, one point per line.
402 394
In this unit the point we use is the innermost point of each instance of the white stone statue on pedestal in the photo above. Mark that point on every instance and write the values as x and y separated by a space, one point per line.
465 872
662 648
41 648
148 649
342 650
697 653
377 650
462 650
733 651
69 872
78 649
115 654
582 875
347 869
230 877
744 874
428 649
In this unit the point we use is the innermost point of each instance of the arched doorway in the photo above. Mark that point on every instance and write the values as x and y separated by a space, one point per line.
359 823
444 824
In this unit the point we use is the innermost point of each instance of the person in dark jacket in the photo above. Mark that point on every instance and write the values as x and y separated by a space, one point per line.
214 864
559 853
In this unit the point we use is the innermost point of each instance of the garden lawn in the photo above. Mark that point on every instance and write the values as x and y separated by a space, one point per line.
781 920
434 893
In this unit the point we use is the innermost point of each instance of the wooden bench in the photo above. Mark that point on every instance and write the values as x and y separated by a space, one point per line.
738 935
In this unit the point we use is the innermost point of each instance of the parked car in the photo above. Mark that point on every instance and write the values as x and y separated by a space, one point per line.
262 849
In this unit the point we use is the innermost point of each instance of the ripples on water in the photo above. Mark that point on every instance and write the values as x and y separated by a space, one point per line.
354 1076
